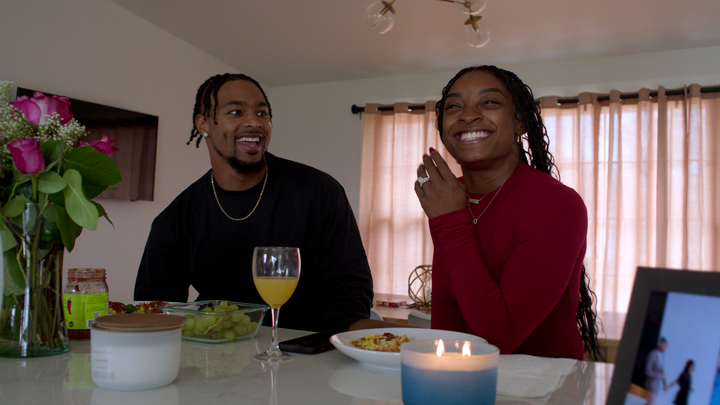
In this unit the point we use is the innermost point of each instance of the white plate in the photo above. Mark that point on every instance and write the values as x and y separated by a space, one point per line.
388 360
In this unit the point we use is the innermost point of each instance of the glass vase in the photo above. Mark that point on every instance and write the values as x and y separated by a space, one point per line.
32 321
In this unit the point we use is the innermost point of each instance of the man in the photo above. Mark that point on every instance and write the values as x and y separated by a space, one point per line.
655 371
250 197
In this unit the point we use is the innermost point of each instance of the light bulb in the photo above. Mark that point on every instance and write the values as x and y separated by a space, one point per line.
476 32
380 16
471 7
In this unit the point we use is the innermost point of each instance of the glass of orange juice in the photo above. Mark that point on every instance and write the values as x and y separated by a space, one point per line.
276 271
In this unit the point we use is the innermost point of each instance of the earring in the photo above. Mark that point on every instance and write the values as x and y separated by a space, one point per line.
270 124
205 134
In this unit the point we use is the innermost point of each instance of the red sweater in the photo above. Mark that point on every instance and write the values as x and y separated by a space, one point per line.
514 278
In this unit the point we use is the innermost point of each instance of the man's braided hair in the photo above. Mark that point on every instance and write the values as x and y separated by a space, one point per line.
210 89
539 157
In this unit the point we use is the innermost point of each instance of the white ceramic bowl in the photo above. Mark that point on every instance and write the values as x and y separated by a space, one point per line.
135 351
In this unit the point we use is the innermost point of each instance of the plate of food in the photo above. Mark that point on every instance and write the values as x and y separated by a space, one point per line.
381 347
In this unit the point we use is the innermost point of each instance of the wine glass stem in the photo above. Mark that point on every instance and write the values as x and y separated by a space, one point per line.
274 348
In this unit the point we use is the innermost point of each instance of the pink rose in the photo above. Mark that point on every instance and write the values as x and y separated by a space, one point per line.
40 107
103 145
27 155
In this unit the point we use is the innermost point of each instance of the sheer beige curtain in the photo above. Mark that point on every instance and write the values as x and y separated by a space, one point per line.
648 170
392 224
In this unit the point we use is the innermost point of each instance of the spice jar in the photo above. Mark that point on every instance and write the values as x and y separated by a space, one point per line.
85 298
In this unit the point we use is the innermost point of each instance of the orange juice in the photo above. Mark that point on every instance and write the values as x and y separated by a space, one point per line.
275 290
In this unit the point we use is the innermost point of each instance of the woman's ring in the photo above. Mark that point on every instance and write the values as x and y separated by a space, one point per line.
423 180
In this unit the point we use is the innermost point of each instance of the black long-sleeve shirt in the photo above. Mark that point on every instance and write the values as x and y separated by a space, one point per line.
193 243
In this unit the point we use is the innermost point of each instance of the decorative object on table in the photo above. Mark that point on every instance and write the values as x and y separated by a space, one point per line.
455 372
136 351
276 273
85 298
47 184
380 18
420 286
390 303
217 321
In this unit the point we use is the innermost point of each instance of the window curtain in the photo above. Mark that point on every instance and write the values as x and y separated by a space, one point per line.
648 171
392 223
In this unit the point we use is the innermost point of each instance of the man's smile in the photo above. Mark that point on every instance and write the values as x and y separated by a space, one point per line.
255 139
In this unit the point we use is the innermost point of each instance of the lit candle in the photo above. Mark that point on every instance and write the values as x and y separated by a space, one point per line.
448 372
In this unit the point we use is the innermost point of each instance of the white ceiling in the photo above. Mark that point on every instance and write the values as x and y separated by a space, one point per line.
288 42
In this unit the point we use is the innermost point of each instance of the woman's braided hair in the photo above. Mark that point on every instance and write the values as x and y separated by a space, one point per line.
539 157
210 89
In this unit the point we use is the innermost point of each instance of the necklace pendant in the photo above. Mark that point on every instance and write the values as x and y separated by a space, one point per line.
475 220
473 200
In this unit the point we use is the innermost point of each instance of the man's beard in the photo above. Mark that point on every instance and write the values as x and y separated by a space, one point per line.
246 167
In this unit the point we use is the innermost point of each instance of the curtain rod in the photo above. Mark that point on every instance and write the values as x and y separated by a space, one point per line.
412 107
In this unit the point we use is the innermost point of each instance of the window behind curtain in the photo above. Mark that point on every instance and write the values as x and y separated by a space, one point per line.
392 223
647 169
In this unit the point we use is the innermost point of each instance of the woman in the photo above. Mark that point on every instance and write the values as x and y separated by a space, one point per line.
685 383
509 238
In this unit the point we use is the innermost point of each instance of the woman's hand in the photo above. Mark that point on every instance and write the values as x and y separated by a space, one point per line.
443 193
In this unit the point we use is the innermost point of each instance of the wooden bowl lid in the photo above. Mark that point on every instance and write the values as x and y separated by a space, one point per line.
138 322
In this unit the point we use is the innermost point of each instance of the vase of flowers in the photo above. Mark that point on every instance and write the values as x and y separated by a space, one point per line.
47 184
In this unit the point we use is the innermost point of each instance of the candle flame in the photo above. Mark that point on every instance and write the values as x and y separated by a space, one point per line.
466 350
441 348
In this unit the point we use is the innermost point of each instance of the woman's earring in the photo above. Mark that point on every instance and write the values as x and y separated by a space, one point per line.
205 134
270 124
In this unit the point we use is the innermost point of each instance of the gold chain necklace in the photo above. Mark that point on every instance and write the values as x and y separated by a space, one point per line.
212 183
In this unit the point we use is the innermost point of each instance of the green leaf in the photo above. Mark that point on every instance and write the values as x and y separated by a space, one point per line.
51 182
102 213
69 230
12 268
7 240
50 213
57 199
51 150
94 167
14 207
21 177
92 191
11 287
81 210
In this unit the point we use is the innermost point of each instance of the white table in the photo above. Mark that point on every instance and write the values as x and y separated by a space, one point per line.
226 374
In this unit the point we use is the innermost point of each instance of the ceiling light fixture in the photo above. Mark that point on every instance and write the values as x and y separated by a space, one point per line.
380 18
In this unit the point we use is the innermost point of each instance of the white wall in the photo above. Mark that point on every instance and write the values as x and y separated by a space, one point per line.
313 123
97 51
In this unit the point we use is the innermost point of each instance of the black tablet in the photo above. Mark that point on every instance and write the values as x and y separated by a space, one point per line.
670 347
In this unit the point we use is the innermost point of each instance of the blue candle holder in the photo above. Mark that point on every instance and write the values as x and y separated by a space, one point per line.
454 372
